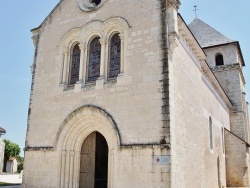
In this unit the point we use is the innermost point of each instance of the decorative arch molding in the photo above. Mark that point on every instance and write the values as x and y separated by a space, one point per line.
69 38
95 27
104 30
71 135
81 122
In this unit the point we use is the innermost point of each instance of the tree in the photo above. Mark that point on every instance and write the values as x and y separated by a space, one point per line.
11 150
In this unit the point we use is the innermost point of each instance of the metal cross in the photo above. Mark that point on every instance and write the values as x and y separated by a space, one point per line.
195 10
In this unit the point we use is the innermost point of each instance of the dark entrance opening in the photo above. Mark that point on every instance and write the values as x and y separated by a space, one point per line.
101 162
94 162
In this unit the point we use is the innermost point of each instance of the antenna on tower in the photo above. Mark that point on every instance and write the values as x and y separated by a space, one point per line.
195 10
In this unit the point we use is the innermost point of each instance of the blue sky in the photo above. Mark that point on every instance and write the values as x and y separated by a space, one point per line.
16 49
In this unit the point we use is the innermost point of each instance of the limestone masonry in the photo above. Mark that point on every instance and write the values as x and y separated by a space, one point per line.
126 94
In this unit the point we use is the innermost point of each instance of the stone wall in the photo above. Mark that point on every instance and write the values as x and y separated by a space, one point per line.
132 167
136 93
237 161
232 81
134 101
193 101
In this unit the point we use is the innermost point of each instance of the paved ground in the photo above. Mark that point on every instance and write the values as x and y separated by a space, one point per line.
11 178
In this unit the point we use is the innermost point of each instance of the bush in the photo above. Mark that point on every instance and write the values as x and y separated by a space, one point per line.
20 167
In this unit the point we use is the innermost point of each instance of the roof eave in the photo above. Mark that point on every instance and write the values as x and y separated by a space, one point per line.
235 42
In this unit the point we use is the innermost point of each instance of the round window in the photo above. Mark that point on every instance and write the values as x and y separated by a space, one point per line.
89 5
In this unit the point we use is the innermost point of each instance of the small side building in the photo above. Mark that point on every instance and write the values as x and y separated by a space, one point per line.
2 146
11 166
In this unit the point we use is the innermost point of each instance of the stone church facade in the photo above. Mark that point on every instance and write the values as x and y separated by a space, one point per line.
125 94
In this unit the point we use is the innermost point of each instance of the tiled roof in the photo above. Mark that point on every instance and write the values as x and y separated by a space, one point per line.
206 35
2 131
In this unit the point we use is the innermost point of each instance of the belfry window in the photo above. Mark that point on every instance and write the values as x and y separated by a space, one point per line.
94 60
114 56
219 60
74 64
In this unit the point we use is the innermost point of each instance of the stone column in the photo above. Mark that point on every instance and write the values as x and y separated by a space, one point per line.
76 169
172 23
122 54
65 66
62 172
85 64
80 82
82 48
100 80
71 170
103 62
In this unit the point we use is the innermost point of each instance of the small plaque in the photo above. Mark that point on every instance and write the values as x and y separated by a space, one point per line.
165 159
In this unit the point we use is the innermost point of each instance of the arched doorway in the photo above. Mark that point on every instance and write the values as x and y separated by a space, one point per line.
94 162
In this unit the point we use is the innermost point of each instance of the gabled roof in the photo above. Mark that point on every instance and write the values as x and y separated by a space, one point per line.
206 35
2 131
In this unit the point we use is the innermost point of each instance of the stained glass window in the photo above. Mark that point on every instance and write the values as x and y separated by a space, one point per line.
94 60
75 64
114 56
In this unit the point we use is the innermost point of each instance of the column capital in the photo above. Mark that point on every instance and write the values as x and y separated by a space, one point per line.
65 51
103 41
121 35
82 46
174 3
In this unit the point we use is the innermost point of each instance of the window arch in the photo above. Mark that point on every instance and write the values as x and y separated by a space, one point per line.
74 64
94 59
219 60
114 56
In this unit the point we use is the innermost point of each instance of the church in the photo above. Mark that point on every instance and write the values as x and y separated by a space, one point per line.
125 94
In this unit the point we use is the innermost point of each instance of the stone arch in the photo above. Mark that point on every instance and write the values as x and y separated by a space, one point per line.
72 133
69 38
86 119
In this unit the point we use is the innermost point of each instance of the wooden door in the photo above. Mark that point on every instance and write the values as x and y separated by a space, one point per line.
87 168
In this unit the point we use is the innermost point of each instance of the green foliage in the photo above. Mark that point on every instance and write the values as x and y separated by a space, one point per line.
20 167
19 159
11 149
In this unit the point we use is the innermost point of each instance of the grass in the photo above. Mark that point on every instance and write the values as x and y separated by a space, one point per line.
6 184
3 184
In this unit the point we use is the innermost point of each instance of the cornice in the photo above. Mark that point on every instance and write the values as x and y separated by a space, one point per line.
187 35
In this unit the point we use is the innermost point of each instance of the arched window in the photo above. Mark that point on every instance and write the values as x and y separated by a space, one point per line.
219 60
211 133
114 56
74 64
94 59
